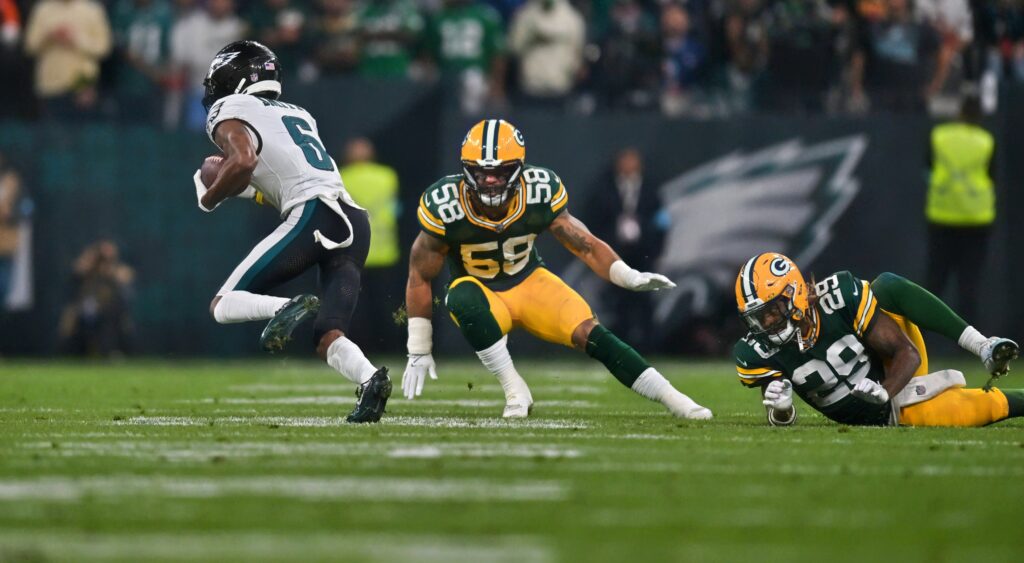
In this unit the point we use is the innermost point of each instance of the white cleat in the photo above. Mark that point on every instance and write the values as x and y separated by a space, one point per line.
997 353
517 410
682 406
699 413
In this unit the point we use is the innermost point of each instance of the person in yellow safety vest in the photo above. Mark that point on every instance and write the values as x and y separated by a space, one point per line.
374 186
960 204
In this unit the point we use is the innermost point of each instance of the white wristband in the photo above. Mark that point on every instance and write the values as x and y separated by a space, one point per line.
201 190
421 336
622 275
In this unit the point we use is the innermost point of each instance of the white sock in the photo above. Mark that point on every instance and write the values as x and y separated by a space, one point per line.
242 306
655 387
972 340
344 356
498 361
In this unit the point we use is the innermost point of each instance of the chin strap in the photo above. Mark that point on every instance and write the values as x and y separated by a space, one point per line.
808 343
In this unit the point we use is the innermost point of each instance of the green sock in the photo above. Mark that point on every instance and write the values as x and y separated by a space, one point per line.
470 307
905 298
620 358
1015 398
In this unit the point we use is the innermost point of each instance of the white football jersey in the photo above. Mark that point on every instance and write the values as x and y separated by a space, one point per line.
294 166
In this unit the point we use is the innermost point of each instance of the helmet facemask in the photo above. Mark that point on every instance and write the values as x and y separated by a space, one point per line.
775 322
494 185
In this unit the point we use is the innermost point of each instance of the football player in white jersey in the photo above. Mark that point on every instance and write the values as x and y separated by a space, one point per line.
273 154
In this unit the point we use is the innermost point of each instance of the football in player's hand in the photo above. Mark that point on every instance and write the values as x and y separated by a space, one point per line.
210 169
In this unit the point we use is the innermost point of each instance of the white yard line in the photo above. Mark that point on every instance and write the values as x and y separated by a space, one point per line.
350 400
274 545
311 489
333 421
177 451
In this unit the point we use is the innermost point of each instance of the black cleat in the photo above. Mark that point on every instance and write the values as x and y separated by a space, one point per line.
373 396
279 330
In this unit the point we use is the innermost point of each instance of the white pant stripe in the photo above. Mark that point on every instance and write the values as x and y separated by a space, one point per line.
262 248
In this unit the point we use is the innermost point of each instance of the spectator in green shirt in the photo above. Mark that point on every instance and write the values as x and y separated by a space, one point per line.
389 31
466 42
142 30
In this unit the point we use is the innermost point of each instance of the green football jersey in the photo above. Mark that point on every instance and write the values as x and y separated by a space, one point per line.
498 253
465 36
392 30
825 375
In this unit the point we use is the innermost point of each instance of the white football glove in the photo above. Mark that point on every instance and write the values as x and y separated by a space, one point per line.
779 395
623 276
870 391
416 374
201 190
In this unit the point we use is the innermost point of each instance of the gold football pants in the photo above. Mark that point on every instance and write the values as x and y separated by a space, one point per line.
542 304
954 407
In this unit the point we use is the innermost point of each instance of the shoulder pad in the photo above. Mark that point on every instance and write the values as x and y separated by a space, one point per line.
851 298
235 106
440 206
543 186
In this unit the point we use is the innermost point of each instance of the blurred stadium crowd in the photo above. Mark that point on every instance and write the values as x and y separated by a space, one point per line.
144 60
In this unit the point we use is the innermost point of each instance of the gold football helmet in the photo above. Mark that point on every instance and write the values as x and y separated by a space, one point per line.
772 298
493 157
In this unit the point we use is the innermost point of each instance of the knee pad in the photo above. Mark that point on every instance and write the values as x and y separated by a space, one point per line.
471 310
467 300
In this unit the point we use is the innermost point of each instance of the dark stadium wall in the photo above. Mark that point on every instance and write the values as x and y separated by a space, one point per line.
732 188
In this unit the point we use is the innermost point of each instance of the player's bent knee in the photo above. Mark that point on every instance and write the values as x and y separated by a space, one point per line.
324 344
467 300
582 332
213 307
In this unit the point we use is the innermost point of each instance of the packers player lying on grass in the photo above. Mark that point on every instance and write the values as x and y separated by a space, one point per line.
485 221
854 352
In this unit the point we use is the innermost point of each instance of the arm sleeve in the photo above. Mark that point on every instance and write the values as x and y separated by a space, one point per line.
35 31
95 37
560 199
751 368
854 300
427 217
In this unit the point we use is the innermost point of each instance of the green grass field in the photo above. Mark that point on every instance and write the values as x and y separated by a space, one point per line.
251 461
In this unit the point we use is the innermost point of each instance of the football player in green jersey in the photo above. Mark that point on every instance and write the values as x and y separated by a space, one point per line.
854 352
485 221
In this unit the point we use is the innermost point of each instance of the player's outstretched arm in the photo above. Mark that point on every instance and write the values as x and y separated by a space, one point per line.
897 352
599 257
233 137
425 263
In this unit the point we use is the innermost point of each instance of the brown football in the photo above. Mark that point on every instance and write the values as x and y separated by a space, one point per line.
210 169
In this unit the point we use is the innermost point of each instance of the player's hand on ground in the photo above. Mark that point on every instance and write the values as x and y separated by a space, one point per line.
416 374
870 391
779 395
